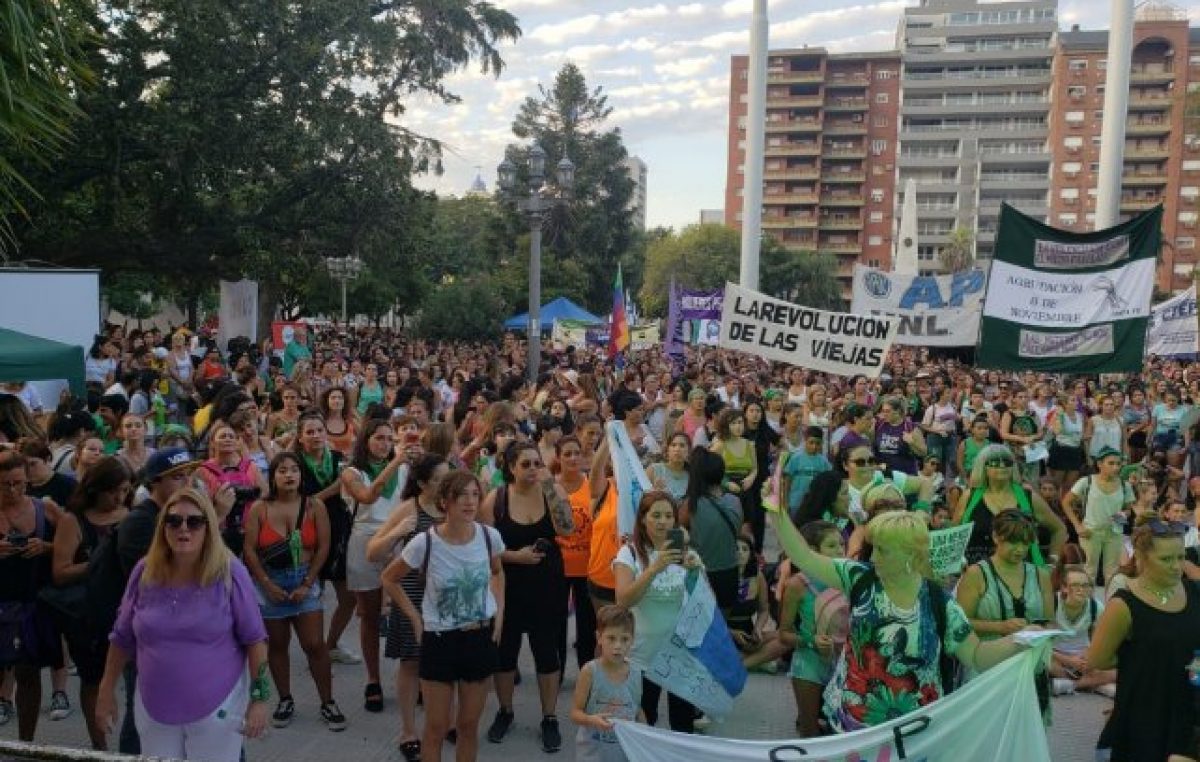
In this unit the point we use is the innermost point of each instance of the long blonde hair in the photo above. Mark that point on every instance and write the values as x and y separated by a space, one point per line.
215 558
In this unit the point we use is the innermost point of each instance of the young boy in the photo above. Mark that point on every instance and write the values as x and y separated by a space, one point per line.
802 467
608 689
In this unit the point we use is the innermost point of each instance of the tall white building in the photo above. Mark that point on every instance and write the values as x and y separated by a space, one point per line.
637 201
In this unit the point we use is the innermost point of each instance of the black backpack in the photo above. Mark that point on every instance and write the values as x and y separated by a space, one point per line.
106 580
947 668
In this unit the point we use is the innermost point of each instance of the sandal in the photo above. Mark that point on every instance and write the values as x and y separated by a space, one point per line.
373 701
411 751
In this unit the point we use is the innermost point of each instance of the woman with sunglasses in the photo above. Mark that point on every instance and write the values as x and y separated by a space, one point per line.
880 678
287 541
998 488
530 511
1005 593
1152 629
190 618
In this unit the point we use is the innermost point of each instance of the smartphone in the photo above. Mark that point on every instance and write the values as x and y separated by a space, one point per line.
543 546
17 539
676 539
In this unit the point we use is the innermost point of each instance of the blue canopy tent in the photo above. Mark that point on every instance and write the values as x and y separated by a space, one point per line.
561 308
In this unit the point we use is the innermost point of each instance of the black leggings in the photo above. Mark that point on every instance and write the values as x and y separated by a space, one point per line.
680 714
755 516
585 624
543 629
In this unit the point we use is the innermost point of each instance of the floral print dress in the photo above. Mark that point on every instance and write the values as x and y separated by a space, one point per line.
889 665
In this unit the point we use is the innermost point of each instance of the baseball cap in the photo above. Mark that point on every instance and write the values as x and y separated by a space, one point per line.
166 462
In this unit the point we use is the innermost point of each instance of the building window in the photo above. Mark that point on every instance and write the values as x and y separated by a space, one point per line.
1068 219
1102 64
881 97
1074 117
876 217
1073 141
881 121
873 263
1069 193
1189 191
1094 166
1077 91
884 74
1191 165
875 240
878 147
1185 243
1077 64
877 195
1071 167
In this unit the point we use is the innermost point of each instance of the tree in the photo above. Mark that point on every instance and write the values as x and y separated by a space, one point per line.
959 253
801 277
595 228
244 138
41 66
466 310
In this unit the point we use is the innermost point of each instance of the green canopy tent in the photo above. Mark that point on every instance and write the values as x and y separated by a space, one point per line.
31 358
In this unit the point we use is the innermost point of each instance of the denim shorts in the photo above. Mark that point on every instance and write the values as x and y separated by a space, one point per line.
289 580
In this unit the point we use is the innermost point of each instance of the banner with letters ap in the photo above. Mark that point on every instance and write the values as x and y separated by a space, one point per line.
934 310
830 342
1062 302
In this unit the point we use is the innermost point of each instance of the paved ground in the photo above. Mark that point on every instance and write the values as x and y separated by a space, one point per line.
765 710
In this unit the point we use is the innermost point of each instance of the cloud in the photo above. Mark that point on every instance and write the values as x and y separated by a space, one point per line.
557 34
685 67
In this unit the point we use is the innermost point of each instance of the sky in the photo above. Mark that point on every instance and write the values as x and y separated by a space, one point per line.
664 65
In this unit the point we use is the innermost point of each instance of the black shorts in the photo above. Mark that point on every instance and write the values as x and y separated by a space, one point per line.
458 655
542 628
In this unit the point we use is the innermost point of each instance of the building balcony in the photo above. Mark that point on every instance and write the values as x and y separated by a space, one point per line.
791 101
794 125
840 105
838 79
794 77
1145 74
841 249
789 223
845 153
1158 177
789 199
1139 204
794 149
835 199
1150 102
845 269
1161 152
852 128
1148 128
843 177
796 173
840 223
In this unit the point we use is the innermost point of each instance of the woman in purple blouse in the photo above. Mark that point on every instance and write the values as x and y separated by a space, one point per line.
190 618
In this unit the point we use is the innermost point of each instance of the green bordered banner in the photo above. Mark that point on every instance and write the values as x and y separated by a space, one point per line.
1063 302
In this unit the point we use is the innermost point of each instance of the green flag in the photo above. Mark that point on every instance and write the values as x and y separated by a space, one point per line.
1065 302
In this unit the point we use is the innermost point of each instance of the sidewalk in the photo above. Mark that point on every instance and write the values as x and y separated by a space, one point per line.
765 710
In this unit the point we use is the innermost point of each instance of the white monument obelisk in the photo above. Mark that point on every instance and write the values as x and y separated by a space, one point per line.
904 259
756 139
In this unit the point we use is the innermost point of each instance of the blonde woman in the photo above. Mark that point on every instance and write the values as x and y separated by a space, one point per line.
190 618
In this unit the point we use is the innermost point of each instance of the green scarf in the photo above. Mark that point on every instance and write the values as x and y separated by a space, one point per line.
389 489
324 471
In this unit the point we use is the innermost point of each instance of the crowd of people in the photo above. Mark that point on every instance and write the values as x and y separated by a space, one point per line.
201 504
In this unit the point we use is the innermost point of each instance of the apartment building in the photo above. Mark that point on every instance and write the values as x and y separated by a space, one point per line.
1162 143
975 115
829 177
637 171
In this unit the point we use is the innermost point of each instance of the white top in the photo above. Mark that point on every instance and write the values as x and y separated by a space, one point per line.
657 613
1077 641
457 592
1101 506
378 511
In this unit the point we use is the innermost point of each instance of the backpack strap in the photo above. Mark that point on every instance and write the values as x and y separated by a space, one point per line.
500 509
39 518
428 554
937 601
1092 607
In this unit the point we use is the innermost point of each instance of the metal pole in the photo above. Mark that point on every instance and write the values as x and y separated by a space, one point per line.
1116 107
534 334
756 125
343 279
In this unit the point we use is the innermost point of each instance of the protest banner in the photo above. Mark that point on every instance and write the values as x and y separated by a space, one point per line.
238 312
644 336
700 305
947 548
993 718
933 311
832 342
1173 330
1065 302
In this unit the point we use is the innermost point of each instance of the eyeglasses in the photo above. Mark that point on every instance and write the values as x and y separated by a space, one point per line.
194 522
1000 463
861 462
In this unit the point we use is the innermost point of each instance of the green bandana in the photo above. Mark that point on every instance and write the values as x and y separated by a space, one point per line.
324 471
389 489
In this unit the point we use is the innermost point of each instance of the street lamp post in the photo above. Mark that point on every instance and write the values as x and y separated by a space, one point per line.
535 207
344 269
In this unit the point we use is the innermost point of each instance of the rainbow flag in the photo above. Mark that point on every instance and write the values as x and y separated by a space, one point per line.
618 335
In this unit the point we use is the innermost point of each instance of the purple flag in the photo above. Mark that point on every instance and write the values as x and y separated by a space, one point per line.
701 305
673 346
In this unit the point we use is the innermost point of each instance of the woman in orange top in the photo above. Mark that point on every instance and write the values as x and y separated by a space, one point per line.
576 548
606 539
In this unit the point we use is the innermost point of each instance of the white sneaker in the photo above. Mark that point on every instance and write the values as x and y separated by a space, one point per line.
1108 690
60 706
342 656
1062 687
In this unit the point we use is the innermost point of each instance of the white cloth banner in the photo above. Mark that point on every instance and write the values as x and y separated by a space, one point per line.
238 315
934 311
993 718
628 475
1070 300
1173 330
832 342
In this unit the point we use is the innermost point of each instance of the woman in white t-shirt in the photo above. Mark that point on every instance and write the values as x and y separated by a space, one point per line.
650 576
461 614
1077 614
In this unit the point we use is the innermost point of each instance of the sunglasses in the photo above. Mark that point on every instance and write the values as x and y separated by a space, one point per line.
1160 528
861 462
999 463
194 522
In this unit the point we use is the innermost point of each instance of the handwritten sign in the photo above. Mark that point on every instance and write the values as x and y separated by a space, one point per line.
947 547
